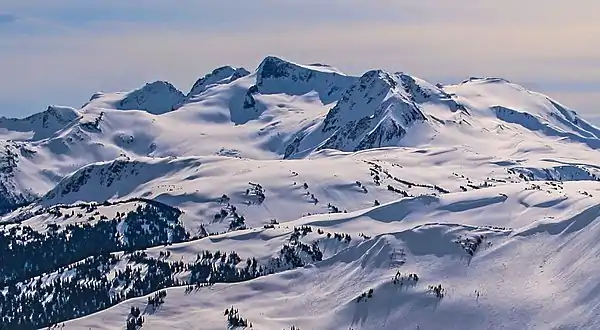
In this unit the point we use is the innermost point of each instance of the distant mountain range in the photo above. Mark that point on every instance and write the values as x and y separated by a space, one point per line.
326 186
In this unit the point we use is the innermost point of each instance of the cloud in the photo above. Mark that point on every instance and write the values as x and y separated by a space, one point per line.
421 50
93 48
7 18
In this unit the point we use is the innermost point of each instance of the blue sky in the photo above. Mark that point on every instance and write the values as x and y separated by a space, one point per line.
62 51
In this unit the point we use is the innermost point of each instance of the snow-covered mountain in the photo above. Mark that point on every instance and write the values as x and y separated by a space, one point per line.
303 197
38 126
156 98
219 76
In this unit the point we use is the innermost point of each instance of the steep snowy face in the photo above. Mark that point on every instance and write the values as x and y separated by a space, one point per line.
37 126
374 112
12 194
219 76
277 76
420 91
156 98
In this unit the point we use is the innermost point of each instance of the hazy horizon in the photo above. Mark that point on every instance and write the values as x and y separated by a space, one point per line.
61 53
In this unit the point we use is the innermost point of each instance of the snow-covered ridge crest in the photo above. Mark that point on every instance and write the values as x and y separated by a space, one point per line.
275 75
515 104
93 182
156 98
38 126
221 75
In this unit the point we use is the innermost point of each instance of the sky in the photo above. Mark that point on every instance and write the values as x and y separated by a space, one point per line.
63 51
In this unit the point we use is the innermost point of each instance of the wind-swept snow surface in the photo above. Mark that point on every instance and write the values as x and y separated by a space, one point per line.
296 196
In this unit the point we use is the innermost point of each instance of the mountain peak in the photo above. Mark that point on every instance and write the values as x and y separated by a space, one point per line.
272 67
221 75
156 98
373 112
40 125
375 94
380 75
275 75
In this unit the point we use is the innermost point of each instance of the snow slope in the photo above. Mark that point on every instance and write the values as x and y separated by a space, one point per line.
483 187
533 266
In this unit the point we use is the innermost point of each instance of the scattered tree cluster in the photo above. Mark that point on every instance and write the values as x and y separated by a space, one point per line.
396 190
291 253
363 235
234 320
470 244
437 290
333 208
304 230
257 191
296 252
341 237
220 267
314 199
271 224
224 199
375 172
157 299
365 296
300 232
361 186
237 222
402 279
134 320
378 173
68 211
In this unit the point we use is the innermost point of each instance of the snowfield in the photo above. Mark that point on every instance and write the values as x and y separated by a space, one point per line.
296 196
